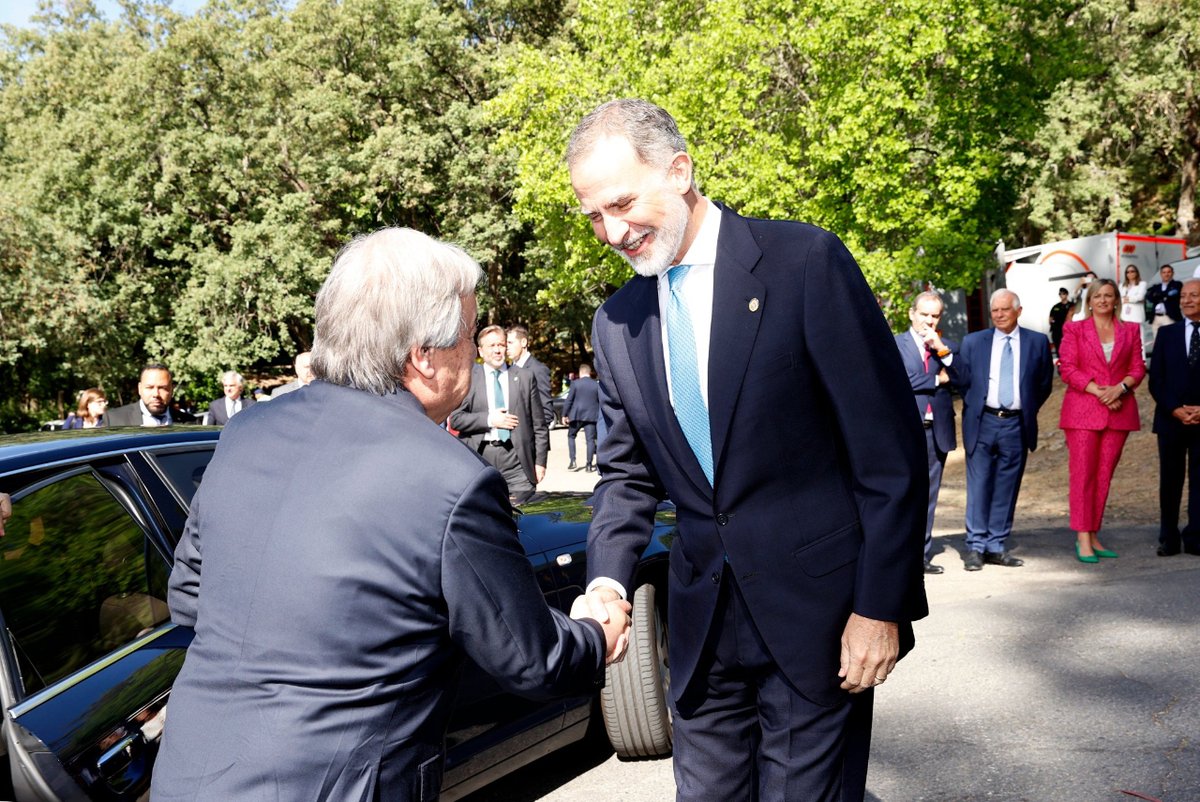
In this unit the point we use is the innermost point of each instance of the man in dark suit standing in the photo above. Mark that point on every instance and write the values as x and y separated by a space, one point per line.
156 388
735 370
233 400
502 419
1175 386
928 361
329 634
1164 297
520 356
1006 374
581 410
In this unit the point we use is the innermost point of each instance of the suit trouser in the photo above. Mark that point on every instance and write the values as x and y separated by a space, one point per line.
503 457
1092 457
937 464
1179 458
748 734
994 471
589 439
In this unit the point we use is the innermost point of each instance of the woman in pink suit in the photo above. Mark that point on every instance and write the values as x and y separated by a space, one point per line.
1101 362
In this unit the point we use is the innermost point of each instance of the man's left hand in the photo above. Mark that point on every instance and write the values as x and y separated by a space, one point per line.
539 473
870 649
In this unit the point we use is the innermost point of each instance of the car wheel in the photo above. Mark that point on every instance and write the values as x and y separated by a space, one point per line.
637 715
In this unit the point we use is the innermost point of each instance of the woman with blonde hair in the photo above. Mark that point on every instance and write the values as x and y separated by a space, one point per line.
90 413
1101 362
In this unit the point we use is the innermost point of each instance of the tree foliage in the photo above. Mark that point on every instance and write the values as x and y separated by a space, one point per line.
175 187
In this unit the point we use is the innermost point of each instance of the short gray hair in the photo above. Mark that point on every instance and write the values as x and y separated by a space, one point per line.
1016 298
388 293
927 295
648 128
232 376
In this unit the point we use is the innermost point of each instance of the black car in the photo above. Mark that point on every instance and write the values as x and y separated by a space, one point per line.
90 653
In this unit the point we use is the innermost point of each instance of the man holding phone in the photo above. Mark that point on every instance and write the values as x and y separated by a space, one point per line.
928 360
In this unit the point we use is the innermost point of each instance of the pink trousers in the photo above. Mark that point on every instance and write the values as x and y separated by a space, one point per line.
1094 455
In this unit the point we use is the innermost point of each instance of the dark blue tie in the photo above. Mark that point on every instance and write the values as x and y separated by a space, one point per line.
685 374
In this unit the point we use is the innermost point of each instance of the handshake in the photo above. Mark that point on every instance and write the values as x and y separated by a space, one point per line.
604 606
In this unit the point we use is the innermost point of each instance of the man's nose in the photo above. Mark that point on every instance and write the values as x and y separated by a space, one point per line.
615 230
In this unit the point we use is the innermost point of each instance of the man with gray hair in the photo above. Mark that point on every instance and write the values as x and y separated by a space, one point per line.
220 410
1005 375
330 632
929 362
733 369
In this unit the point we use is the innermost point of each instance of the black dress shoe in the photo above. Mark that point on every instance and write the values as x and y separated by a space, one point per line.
1003 558
1167 551
973 561
590 469
1194 550
572 467
930 568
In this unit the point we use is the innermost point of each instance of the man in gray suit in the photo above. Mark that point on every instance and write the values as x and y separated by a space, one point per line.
336 591
232 401
502 417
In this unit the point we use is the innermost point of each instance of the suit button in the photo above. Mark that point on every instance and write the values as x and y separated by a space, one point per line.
722 519
716 578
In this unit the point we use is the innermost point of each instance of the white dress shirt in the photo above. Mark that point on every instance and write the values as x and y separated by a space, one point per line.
697 292
993 393
489 377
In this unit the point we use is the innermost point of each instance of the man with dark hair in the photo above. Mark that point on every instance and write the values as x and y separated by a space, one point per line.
735 369
337 589
156 388
1164 297
1059 314
581 411
501 417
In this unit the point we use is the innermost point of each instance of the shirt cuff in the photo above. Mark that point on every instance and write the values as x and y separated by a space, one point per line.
605 582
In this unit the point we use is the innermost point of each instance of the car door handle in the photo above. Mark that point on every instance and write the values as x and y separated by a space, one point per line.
114 764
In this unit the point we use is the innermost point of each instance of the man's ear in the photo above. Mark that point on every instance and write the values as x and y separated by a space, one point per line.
680 172
420 360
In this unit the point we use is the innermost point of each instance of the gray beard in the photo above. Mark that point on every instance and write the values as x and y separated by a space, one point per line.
668 237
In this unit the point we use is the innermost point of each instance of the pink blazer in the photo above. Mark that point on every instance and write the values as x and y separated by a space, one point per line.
1081 360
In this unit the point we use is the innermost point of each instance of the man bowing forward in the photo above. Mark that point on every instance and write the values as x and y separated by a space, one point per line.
747 373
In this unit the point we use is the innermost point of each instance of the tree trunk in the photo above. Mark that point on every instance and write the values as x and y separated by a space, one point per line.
1185 215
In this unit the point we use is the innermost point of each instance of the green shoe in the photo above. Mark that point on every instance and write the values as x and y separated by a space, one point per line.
1104 552
1085 558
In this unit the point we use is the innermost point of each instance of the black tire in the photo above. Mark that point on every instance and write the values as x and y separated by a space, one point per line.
637 715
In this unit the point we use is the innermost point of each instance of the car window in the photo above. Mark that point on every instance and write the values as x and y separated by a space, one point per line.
74 579
183 470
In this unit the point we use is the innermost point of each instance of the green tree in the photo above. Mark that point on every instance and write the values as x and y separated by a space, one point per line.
1120 146
886 122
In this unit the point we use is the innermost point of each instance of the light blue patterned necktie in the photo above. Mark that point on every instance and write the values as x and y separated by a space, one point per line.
685 374
502 434
1006 374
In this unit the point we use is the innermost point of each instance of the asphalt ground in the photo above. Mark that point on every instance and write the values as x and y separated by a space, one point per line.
1053 681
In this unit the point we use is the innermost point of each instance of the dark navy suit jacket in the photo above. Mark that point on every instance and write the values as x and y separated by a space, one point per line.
820 475
926 390
217 416
1037 376
583 401
531 438
335 590
1173 382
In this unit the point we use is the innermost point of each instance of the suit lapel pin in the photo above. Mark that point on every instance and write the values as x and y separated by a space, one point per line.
753 304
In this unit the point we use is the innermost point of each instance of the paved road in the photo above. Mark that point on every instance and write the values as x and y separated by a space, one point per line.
1055 681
